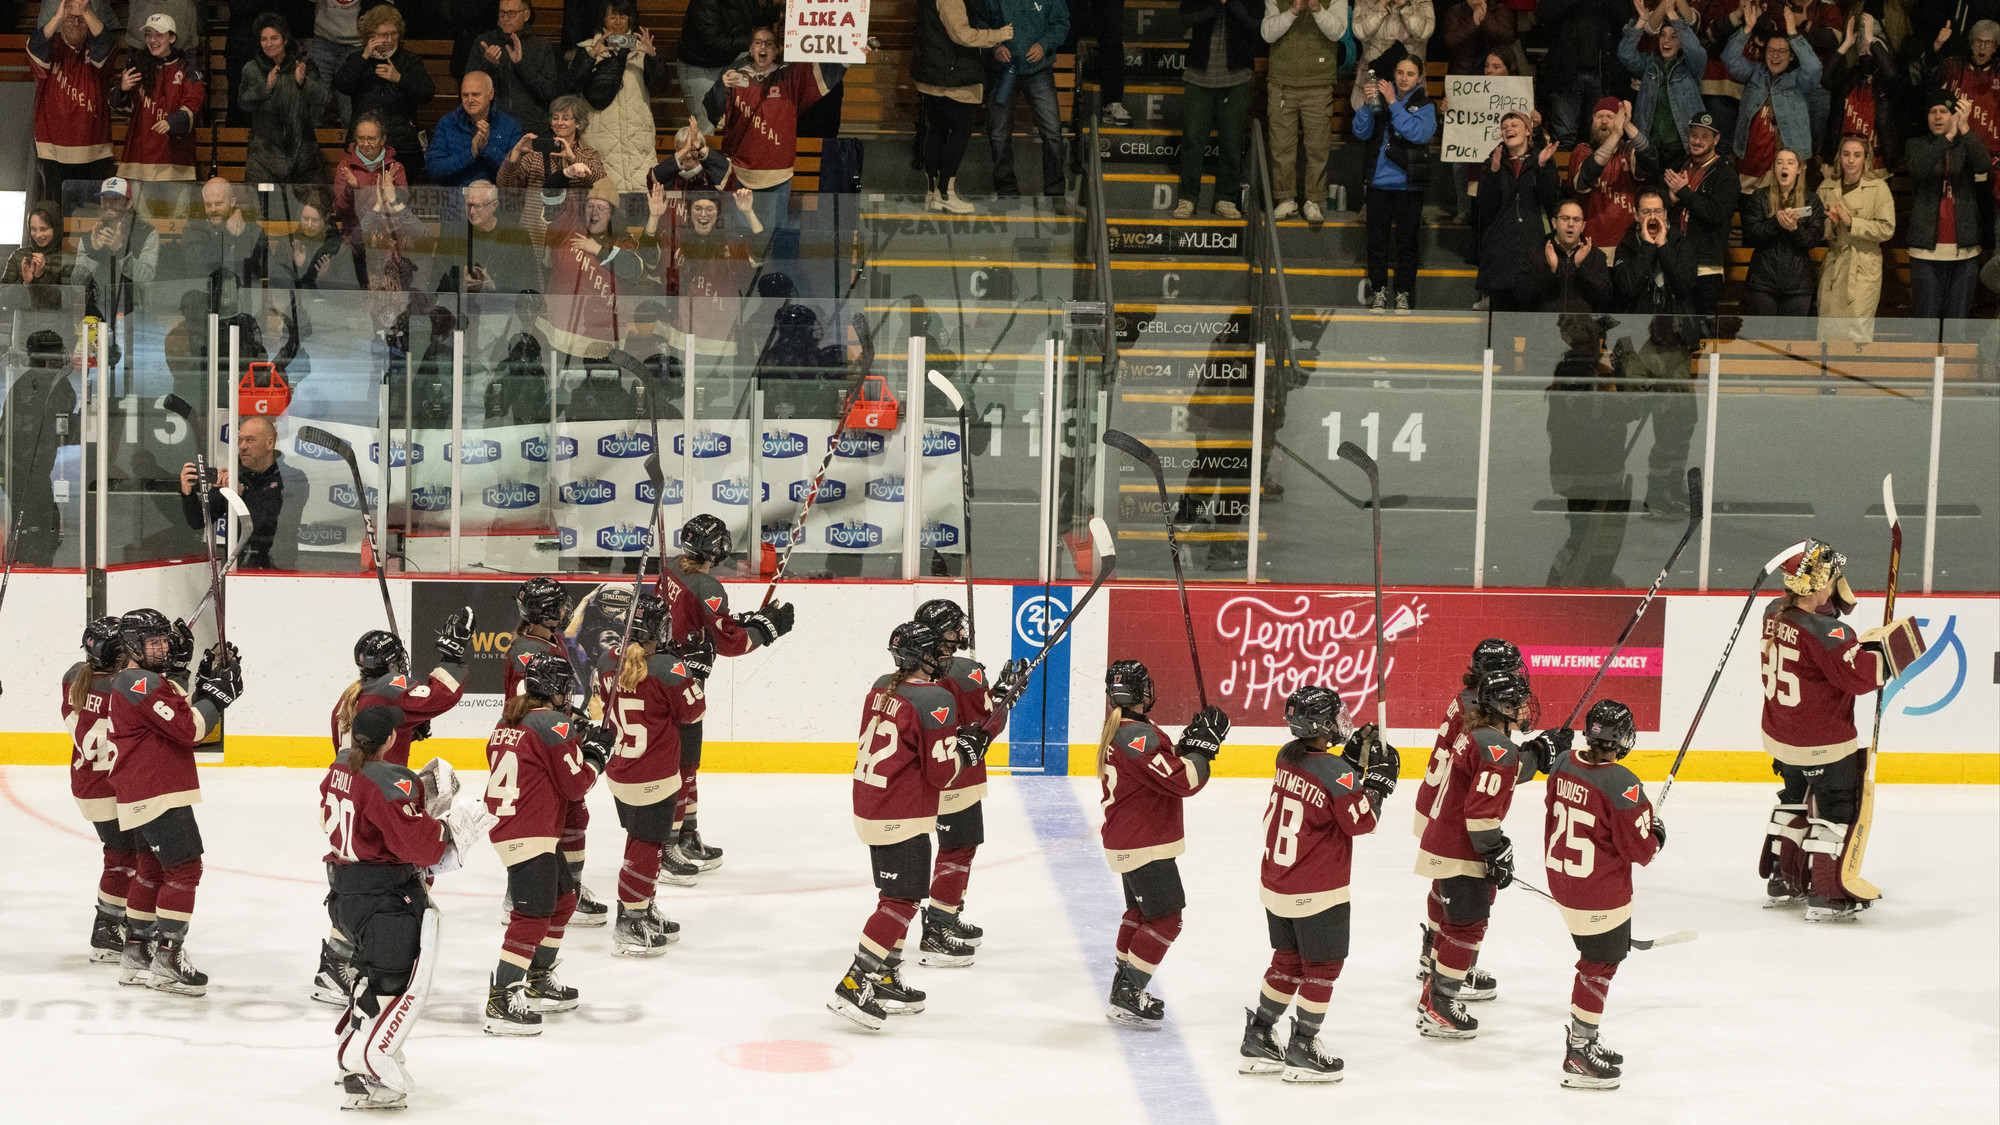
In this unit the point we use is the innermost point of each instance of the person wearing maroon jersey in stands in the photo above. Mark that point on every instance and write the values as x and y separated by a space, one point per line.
649 691
1465 852
155 726
1319 803
1145 776
389 830
540 761
1606 172
1491 654
1599 824
86 705
911 750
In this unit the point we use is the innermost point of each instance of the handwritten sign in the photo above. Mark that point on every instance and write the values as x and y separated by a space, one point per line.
826 31
1474 105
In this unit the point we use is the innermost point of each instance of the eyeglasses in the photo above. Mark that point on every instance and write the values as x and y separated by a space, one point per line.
1652 210
482 205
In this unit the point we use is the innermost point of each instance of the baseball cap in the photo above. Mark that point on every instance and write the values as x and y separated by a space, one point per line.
1704 121
162 23
116 185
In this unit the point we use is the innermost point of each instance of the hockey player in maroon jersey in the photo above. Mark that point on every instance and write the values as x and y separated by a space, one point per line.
648 693
1815 665
1319 803
1464 851
1145 776
1490 654
698 607
948 939
155 726
912 748
540 760
545 608
86 711
1599 824
386 829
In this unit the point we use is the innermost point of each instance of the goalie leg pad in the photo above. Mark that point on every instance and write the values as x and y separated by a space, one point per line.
1825 841
1783 841
383 1015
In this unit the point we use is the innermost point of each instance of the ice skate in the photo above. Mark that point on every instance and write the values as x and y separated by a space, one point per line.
548 994
1588 1065
1820 910
965 931
691 846
676 869
941 947
1477 985
1441 1014
1131 1005
173 972
107 939
589 911
508 1011
1308 1060
639 933
894 995
1424 965
854 1000
1781 895
1260 1046
359 1092
335 979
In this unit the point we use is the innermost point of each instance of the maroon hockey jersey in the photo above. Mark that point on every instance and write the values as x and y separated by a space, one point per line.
1316 809
645 766
437 694
760 122
1814 666
1144 782
966 680
72 97
905 759
1599 824
1474 797
154 731
697 603
91 751
536 768
175 95
377 816
1451 740
524 649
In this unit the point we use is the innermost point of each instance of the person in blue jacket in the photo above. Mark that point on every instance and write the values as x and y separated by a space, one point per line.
1396 122
1027 65
472 142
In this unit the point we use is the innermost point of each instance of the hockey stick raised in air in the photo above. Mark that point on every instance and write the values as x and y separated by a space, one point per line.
798 529
965 472
1678 937
1603 666
659 482
1141 452
175 404
340 446
648 377
1353 454
1106 555
1769 569
1857 841
239 514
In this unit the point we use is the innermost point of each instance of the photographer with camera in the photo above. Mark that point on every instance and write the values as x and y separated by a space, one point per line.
616 71
388 79
274 492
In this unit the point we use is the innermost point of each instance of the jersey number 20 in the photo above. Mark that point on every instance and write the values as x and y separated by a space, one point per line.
337 821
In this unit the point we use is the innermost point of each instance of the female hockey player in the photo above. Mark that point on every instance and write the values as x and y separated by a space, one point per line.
648 694
1319 802
1599 824
948 939
383 680
86 709
1145 777
545 608
540 762
384 827
154 730
1464 851
911 750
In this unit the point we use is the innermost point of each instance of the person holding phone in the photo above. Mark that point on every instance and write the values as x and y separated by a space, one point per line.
545 165
1782 224
161 92
617 70
388 79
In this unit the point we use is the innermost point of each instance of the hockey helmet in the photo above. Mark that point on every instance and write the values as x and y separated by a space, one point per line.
544 602
915 646
1127 684
380 653
549 676
374 727
1813 569
102 644
1505 692
136 631
945 618
1493 653
1314 711
649 622
705 539
1609 728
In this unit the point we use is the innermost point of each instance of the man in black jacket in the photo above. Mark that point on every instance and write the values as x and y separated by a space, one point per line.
1944 229
1656 272
274 492
1701 200
714 34
526 73
1568 274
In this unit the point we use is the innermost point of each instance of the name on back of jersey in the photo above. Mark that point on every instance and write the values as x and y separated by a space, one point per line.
1295 784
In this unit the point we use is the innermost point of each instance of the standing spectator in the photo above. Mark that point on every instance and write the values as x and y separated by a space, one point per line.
1669 84
369 159
1973 77
526 74
388 80
1782 224
1518 190
1776 108
704 264
1223 36
1860 217
1465 173
545 179
1397 121
1606 172
161 94
496 256
38 269
1105 21
1387 31
274 491
190 20
948 71
120 252
1823 26
714 34
1868 97
1582 56
757 106
591 267
308 258
1305 60
1028 64
1655 274
336 36
1474 29
222 246
473 141
68 53
1586 437
615 71
1720 92
242 44
1701 200
40 402
1566 275
1945 166
693 166
285 101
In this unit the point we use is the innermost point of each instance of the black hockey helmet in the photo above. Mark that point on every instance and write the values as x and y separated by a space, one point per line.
102 644
549 676
1494 653
1127 684
1609 728
137 628
705 539
543 601
375 726
915 646
380 653
1505 692
650 620
1314 711
944 618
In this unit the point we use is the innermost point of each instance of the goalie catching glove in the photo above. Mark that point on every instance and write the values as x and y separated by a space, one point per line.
1204 733
440 783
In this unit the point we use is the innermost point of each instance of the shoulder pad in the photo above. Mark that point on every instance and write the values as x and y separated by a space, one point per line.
668 669
1333 771
552 726
136 684
608 662
1622 786
709 591
1493 747
936 706
1137 737
969 671
881 681
395 782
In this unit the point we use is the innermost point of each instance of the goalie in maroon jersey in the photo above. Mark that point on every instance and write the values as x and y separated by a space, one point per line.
86 711
1599 824
912 749
1319 802
1145 776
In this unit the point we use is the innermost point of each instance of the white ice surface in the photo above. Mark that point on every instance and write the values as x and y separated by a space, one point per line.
1763 1019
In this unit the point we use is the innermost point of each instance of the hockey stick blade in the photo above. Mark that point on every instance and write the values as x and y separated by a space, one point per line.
239 514
337 445
1106 557
1678 937
175 404
1351 452
1137 450
945 388
1141 452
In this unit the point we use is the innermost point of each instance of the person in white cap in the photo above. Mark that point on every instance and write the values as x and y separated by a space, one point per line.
162 94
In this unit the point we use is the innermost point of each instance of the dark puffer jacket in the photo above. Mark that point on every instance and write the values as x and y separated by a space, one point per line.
1781 260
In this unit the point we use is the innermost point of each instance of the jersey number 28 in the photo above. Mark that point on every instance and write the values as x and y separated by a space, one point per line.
1282 819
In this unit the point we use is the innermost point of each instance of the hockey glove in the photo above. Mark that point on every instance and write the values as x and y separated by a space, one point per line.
1007 686
596 746
1385 766
1366 740
781 614
219 684
699 659
456 634
1204 733
468 820
440 783
971 746
1659 833
760 626
180 650
421 731
1500 865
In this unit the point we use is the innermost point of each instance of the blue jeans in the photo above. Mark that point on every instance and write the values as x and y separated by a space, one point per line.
1569 110
696 82
326 57
1942 289
1040 90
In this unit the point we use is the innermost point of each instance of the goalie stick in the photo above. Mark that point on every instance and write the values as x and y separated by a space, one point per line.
175 404
1678 937
965 472
1106 554
345 451
1864 814
1141 452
